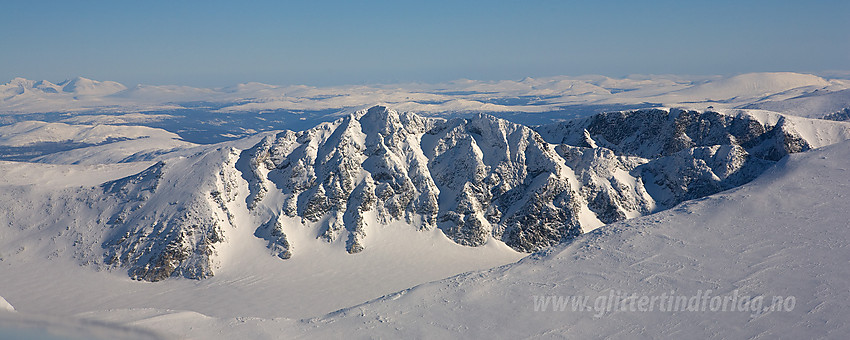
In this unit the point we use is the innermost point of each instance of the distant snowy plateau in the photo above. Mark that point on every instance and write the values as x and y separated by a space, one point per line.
423 210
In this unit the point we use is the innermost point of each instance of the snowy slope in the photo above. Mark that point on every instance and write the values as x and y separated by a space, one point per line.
60 143
813 105
753 85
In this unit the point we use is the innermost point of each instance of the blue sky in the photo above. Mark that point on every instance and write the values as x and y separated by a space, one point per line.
322 42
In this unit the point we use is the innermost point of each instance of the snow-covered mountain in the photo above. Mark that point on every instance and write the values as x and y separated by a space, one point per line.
87 87
478 181
754 86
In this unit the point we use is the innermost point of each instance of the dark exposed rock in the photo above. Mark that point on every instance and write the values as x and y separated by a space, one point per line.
272 232
159 229
656 133
841 116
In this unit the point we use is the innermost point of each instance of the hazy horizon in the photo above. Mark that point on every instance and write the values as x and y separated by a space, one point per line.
339 43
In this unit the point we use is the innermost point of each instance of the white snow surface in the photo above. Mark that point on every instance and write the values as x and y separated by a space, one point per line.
89 144
32 132
813 105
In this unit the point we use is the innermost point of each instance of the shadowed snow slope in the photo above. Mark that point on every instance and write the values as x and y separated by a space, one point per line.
818 104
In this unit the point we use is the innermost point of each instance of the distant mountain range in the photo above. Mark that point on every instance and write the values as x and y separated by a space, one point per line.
774 91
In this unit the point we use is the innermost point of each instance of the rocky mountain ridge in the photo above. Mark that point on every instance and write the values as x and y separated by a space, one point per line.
478 180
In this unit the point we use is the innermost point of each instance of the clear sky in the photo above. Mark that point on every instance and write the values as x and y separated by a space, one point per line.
324 42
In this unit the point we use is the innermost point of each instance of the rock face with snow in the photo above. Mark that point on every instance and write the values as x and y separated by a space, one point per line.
843 115
167 220
699 171
675 155
473 178
661 132
478 180
483 177
760 241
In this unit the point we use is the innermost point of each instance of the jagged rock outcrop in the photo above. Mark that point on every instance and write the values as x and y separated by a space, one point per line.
607 185
656 133
500 178
272 231
671 155
473 178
